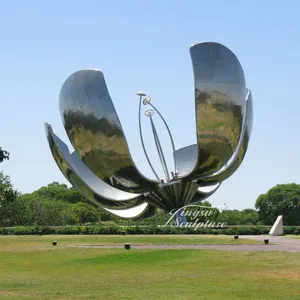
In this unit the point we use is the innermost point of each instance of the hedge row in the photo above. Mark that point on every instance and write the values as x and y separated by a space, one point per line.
36 230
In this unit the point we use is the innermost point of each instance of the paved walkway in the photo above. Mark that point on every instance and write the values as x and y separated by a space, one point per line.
277 244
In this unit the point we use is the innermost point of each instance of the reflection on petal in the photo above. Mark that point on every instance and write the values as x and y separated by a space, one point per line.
65 165
130 212
186 159
220 101
95 131
98 186
240 153
209 189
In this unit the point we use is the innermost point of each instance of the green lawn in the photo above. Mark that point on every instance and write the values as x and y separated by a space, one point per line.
31 268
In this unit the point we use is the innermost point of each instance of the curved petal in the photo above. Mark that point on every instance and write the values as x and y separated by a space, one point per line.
142 211
130 212
220 103
98 186
127 213
150 212
95 131
186 159
58 149
209 189
240 153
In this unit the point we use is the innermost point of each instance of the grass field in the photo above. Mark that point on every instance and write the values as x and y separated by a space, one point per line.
31 268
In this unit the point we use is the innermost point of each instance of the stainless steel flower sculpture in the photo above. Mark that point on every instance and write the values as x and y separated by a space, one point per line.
101 167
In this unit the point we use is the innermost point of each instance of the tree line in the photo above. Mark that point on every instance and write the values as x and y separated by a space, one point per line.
57 205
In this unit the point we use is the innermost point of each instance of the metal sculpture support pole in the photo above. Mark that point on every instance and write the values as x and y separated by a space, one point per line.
141 136
169 131
159 150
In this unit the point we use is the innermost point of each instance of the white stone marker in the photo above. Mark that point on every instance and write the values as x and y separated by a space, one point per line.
277 228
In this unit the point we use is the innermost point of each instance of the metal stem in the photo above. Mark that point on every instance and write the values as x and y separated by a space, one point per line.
159 150
142 140
169 131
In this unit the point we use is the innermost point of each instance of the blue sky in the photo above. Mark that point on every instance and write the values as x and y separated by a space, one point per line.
145 45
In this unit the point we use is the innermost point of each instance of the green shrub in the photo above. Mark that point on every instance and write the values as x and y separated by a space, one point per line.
117 230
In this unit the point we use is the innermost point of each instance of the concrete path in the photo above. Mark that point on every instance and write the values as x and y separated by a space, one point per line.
277 244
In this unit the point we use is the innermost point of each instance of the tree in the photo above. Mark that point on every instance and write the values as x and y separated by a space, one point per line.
53 205
3 155
7 196
283 199
249 216
231 217
85 212
57 191
31 209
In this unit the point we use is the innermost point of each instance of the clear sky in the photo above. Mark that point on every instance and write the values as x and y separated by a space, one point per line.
145 45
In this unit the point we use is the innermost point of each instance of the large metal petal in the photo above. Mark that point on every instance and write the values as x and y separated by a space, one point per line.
186 156
97 185
129 213
186 159
143 210
220 103
209 189
65 163
149 212
240 153
96 134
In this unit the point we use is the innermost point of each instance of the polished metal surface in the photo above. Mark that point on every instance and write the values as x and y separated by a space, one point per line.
64 161
129 213
160 151
150 113
186 159
167 127
98 186
178 194
220 94
212 188
101 167
240 152
96 134
141 94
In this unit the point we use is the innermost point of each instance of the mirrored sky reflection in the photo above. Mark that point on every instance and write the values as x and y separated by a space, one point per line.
144 45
